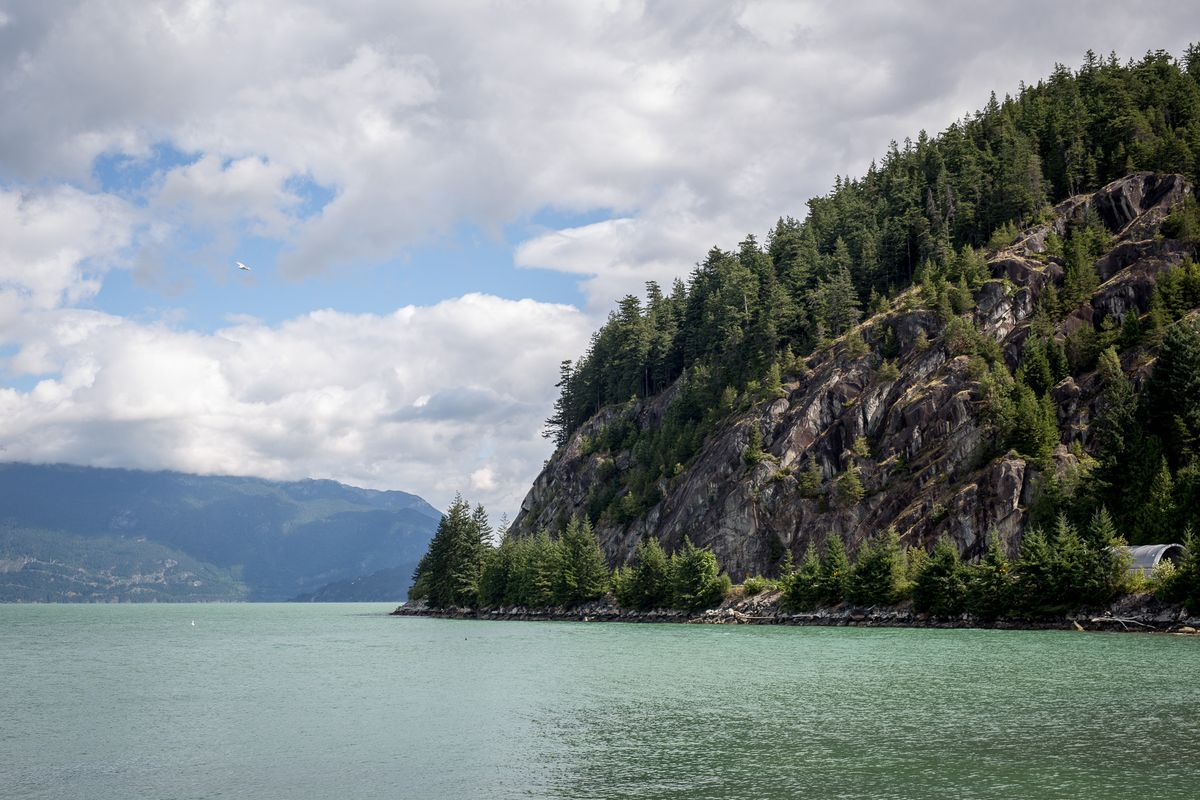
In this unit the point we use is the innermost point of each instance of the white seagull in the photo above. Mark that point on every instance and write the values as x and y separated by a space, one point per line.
240 265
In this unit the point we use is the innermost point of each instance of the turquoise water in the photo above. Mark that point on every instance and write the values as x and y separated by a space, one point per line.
341 701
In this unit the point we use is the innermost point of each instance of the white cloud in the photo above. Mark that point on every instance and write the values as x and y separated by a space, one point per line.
55 245
483 479
425 115
689 124
315 396
247 193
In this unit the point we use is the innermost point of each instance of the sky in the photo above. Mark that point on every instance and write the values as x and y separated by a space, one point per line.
439 202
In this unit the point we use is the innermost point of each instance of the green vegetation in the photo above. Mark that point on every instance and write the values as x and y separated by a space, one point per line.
1182 584
990 590
43 566
450 571
257 539
757 585
1057 571
879 571
1146 444
647 583
737 330
463 569
940 586
696 581
913 235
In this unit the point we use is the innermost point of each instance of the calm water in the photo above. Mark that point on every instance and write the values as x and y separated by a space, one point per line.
340 701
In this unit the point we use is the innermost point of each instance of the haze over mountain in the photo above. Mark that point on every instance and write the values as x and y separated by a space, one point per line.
72 533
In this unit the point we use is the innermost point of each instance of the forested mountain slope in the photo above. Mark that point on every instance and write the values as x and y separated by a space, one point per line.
1015 359
80 533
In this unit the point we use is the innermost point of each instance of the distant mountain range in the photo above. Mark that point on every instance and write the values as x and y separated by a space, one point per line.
84 534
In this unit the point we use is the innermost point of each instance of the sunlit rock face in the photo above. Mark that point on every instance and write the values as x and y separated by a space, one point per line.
931 468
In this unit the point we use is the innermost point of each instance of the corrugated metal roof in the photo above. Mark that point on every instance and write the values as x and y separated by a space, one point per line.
1144 558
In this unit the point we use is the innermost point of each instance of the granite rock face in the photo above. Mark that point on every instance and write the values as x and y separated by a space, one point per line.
931 468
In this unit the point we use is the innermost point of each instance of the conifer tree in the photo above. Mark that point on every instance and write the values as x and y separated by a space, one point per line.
1158 513
810 480
835 572
497 572
582 572
990 587
773 381
449 573
941 587
1080 278
802 591
545 562
849 486
1035 369
878 571
650 576
1037 581
1173 392
1087 576
1184 584
696 582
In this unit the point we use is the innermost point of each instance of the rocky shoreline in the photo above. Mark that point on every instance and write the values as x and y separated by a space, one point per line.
1130 614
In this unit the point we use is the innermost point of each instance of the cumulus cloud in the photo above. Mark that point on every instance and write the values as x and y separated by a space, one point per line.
314 396
670 126
248 194
55 245
425 115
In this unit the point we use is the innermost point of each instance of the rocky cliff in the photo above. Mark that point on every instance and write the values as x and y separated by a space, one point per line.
929 466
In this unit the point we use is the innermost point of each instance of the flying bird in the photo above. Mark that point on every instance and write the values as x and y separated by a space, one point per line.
240 265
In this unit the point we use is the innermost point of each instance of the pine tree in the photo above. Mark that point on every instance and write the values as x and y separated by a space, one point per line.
835 572
1102 531
941 587
650 576
1087 576
450 571
545 562
990 584
802 591
1118 433
855 346
497 572
840 302
1158 513
921 343
849 487
1184 585
1035 433
695 580
1173 391
753 452
582 572
1079 278
561 422
1037 578
878 571
810 480
773 382
1035 369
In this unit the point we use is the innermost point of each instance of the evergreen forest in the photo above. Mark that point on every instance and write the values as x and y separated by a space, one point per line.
926 215
1060 570
915 232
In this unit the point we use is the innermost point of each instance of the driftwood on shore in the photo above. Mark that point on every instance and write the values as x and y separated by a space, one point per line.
764 609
